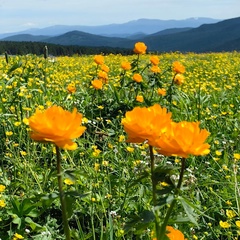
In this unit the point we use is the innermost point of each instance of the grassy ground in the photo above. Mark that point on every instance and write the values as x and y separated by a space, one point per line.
107 180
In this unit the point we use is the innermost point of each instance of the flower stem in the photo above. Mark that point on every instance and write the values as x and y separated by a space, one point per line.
170 92
170 209
62 197
154 194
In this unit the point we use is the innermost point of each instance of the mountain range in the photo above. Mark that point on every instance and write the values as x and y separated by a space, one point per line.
192 35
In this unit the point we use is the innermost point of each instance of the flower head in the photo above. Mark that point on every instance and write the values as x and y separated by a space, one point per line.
103 76
174 234
155 69
140 48
137 77
224 224
178 67
154 121
99 59
56 125
126 66
161 91
2 188
71 88
2 203
154 60
139 98
178 79
183 139
97 84
105 68
68 181
17 236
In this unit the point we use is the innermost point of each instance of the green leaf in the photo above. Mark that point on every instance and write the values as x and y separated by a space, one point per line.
140 222
76 194
189 210
17 220
32 224
136 181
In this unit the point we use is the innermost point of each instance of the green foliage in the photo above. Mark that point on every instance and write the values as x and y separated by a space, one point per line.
110 192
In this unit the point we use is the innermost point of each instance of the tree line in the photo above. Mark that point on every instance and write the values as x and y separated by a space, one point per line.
38 48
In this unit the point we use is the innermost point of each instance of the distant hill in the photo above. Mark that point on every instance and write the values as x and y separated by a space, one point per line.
220 36
145 26
207 37
86 39
26 37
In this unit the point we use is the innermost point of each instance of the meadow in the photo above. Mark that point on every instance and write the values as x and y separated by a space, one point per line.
112 182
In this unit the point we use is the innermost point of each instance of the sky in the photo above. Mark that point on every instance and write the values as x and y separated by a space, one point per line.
19 15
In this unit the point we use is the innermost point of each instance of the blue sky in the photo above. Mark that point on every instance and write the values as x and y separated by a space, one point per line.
18 15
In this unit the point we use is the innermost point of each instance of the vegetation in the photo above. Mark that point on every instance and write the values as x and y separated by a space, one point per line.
114 189
37 48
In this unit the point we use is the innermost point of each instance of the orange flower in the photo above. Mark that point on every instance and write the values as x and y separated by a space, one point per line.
174 234
103 76
154 60
179 79
105 68
178 67
183 139
137 78
57 126
146 123
139 98
99 59
161 91
140 48
155 69
97 84
126 66
71 88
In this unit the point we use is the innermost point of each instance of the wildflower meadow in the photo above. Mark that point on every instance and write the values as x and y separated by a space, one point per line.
105 147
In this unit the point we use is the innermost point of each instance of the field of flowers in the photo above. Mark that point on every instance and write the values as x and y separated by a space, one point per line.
120 147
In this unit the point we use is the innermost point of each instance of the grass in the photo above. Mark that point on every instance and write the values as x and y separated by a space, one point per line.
107 180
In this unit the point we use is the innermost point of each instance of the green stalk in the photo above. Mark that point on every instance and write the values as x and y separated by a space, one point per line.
199 101
170 209
170 91
62 197
154 194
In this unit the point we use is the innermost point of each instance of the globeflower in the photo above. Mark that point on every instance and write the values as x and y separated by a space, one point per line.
56 125
71 88
178 67
105 68
103 76
161 91
99 59
139 98
126 66
140 48
155 69
97 84
146 123
137 77
178 79
174 234
154 60
183 139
